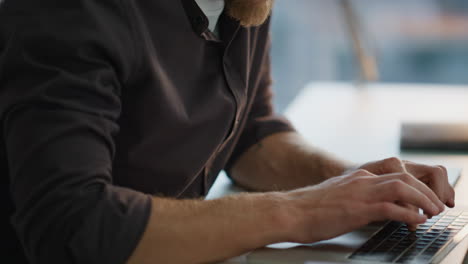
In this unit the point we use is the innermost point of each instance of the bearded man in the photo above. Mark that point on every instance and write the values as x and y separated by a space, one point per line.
117 116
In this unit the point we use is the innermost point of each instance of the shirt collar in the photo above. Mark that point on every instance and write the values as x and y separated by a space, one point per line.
199 22
197 18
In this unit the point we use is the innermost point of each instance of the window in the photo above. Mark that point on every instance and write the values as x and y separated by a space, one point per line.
424 41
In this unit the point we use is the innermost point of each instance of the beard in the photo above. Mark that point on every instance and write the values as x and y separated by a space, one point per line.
249 12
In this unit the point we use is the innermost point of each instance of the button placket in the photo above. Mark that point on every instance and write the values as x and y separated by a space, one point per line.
238 108
234 128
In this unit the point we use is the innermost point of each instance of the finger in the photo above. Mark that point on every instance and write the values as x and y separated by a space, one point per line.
389 165
412 181
397 190
435 177
450 192
361 172
392 165
451 202
411 227
444 169
391 211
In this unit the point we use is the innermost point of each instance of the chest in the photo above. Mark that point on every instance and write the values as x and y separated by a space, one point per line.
186 104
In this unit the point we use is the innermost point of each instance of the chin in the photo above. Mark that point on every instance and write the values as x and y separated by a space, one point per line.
249 12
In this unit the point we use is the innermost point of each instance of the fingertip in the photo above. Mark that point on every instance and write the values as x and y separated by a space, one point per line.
422 219
437 209
412 227
442 210
451 203
441 207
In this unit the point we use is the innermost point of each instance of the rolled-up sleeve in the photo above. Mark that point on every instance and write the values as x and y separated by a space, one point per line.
262 119
59 106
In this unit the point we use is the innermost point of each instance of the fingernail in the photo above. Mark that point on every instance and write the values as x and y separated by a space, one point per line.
441 206
452 202
435 209
422 218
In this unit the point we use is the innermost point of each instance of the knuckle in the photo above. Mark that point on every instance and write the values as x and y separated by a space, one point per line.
406 177
361 172
396 187
360 180
442 172
393 160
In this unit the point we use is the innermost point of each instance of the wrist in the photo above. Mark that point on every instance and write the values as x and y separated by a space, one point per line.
278 218
332 167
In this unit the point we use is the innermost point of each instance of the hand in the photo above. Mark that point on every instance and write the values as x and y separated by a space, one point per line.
344 203
435 177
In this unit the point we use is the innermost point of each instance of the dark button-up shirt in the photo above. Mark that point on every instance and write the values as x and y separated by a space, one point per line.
104 103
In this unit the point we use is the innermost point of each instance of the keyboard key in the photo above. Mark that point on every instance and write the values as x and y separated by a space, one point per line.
431 250
423 227
433 232
449 233
436 230
453 213
444 221
439 243
426 240
420 247
444 238
448 217
454 228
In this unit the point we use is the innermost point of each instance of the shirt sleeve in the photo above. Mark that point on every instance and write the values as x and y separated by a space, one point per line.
262 120
59 103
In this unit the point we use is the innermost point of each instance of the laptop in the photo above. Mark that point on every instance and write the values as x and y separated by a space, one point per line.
390 242
452 137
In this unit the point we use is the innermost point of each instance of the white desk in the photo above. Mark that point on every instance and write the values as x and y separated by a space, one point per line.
363 124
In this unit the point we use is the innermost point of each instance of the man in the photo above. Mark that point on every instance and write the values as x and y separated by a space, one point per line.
117 115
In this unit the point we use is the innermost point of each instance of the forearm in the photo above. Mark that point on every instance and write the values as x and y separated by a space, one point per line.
196 231
284 161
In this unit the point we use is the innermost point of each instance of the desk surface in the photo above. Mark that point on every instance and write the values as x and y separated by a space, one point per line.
360 124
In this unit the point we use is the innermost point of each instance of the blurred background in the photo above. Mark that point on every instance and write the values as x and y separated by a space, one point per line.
413 41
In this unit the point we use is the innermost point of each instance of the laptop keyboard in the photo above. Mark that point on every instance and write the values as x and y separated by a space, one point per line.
394 243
